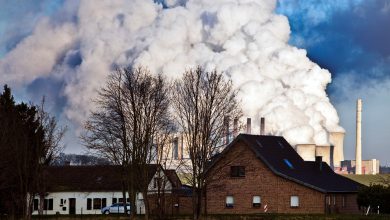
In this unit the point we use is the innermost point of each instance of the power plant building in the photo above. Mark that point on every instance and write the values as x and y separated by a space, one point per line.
367 167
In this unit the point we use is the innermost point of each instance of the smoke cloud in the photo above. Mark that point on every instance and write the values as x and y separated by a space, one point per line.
245 39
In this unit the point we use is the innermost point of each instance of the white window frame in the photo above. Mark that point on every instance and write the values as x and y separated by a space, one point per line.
294 201
229 201
256 201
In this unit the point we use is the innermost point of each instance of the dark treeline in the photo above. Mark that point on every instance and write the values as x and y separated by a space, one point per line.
376 197
29 140
79 160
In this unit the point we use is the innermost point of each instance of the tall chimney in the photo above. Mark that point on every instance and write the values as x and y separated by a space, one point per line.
226 121
235 127
262 126
358 166
319 162
248 125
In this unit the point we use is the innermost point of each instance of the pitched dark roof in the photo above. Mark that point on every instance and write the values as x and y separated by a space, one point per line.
87 178
173 178
284 161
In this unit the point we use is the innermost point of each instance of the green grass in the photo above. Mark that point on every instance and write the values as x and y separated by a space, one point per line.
370 179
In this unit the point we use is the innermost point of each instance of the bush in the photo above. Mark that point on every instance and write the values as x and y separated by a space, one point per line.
374 196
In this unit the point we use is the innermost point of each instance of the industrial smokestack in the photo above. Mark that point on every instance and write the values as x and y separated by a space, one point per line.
235 127
248 125
226 130
358 166
262 126
319 162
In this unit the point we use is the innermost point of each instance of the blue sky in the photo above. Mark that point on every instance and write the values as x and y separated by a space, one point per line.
350 38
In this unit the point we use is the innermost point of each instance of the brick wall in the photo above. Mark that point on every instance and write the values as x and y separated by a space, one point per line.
341 203
275 192
173 204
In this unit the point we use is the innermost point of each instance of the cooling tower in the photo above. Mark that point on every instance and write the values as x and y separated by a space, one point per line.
358 166
325 153
337 140
307 151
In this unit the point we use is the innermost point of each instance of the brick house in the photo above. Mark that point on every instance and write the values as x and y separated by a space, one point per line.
257 174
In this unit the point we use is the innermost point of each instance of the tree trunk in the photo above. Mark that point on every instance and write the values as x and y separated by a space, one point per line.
41 199
146 202
124 188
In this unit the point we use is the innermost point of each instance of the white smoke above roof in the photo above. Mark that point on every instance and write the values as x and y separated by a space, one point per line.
245 39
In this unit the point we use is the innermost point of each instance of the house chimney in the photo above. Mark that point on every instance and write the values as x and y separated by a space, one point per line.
319 162
262 126
235 127
248 125
226 122
358 167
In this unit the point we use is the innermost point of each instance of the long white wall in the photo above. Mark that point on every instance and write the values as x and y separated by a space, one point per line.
82 197
81 202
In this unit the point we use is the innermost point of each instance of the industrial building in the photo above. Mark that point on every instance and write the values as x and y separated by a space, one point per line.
368 167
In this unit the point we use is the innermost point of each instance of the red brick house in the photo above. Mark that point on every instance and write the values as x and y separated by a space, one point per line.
257 174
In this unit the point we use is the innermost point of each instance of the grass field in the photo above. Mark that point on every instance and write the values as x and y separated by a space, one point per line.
370 179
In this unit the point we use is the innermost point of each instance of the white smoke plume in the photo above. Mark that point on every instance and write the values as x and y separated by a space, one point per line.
245 39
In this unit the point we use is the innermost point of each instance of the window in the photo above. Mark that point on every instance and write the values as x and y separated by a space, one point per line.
256 201
175 150
104 202
114 200
237 171
89 204
97 203
288 163
48 204
35 204
120 200
229 201
294 201
334 199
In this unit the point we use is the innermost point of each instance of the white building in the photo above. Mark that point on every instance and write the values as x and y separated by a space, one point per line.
87 189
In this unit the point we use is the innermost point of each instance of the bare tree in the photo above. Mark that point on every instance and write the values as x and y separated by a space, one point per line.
106 130
201 101
51 149
133 113
53 134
